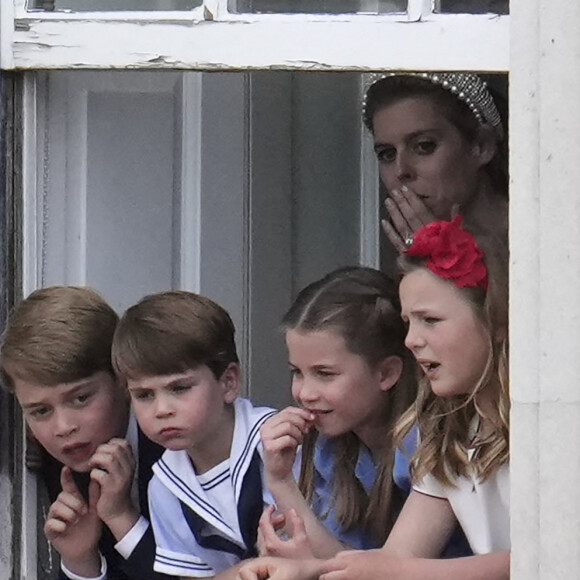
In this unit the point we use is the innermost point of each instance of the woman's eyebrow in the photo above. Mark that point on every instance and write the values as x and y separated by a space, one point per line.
408 137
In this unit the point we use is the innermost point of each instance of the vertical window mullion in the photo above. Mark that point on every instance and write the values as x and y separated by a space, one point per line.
11 438
370 6
417 9
218 8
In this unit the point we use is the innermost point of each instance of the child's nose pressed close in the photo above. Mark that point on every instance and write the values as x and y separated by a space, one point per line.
306 391
414 339
163 407
65 423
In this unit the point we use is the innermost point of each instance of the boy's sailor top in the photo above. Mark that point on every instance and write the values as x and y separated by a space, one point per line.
206 524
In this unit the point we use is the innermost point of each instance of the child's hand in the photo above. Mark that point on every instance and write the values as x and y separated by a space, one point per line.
295 546
113 466
279 569
74 528
272 519
281 436
357 564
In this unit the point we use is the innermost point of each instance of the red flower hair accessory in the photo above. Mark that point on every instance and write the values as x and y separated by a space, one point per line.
451 252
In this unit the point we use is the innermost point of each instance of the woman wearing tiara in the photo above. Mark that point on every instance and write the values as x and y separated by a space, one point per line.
439 139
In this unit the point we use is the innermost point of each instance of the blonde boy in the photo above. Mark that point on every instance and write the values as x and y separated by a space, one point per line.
176 353
56 358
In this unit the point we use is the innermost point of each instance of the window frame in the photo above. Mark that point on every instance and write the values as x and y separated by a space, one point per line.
198 40
202 39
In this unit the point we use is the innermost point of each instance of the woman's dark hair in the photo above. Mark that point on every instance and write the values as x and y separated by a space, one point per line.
392 89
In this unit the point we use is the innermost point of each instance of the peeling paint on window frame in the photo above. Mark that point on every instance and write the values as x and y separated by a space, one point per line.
202 40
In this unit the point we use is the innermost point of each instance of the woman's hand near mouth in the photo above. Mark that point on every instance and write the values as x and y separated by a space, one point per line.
407 213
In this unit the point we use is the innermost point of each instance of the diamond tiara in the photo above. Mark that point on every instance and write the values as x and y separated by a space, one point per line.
467 87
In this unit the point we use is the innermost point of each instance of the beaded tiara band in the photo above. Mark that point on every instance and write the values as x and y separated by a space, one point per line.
467 87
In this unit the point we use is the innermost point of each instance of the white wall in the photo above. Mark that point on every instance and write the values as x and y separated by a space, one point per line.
545 283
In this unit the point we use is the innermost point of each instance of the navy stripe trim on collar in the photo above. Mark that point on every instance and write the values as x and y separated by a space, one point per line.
185 564
249 447
178 482
215 481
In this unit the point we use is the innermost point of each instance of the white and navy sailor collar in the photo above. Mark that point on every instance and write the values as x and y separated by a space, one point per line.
176 472
246 438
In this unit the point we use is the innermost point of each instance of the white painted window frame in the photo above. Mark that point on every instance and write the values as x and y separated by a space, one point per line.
203 39
72 187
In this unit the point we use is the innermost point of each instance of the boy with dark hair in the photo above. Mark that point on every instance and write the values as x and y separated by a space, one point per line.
176 353
56 359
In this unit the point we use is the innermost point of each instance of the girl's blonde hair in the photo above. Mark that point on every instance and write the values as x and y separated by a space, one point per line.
360 305
445 423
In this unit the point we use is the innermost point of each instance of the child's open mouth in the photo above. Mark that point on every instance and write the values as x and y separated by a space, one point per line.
319 412
429 367
77 451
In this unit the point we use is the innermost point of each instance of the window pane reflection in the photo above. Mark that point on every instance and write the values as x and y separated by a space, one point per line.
113 5
473 6
276 6
317 6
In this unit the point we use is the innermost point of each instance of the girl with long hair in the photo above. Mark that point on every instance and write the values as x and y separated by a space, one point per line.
352 378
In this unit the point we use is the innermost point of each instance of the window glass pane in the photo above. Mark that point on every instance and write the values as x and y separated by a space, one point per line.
108 5
317 6
473 6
